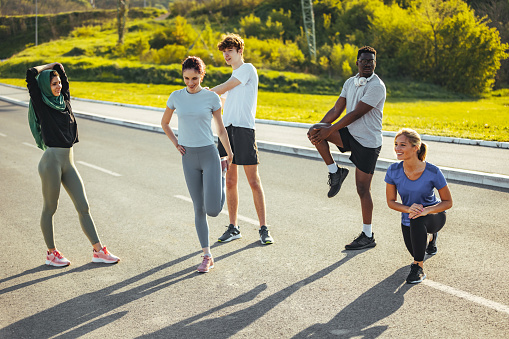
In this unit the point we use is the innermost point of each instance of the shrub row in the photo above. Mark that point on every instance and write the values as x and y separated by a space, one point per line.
96 69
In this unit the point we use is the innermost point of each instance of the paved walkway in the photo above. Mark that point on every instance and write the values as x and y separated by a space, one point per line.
484 163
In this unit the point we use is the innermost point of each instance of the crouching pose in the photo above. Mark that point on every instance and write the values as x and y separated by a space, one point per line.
422 212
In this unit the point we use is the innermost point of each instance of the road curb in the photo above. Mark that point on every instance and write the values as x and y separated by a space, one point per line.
464 176
425 137
460 175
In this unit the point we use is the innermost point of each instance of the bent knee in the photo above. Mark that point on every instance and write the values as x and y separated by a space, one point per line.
214 211
363 190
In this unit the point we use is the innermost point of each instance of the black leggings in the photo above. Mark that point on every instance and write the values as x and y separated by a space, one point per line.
416 236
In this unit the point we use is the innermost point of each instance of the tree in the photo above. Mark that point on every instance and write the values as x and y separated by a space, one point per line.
122 9
442 42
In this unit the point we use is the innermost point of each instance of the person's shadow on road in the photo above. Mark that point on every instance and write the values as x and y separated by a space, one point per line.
85 313
354 321
227 326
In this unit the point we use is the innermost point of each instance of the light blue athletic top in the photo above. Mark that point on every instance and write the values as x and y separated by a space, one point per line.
420 191
194 113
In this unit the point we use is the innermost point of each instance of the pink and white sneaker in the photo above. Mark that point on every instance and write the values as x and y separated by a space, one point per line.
206 264
105 257
54 258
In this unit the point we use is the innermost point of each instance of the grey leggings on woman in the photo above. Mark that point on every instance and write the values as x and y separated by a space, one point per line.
56 167
206 185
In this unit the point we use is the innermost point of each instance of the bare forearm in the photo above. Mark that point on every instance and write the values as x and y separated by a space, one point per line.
398 206
219 89
331 116
440 207
223 137
169 132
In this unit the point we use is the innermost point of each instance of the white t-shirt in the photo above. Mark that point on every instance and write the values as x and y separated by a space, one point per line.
367 130
194 112
240 104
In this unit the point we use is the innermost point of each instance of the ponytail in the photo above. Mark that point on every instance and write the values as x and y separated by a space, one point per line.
421 153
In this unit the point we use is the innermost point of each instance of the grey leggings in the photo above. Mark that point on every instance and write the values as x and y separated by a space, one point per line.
206 185
57 166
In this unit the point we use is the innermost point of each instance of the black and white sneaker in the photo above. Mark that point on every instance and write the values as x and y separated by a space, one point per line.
432 246
231 233
361 242
265 237
416 274
336 180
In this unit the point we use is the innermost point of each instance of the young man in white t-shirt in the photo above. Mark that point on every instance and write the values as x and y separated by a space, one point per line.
360 132
239 95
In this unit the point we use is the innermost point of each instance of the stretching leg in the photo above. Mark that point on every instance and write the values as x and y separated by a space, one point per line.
73 184
50 173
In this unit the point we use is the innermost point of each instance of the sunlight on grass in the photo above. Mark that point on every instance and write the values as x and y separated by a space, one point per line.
486 118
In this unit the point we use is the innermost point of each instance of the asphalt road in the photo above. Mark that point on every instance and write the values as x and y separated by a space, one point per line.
303 286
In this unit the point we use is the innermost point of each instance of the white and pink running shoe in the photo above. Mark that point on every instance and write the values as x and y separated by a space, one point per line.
104 256
206 264
54 258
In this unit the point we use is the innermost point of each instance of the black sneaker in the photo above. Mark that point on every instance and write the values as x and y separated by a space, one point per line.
362 241
335 181
231 233
432 246
416 274
265 237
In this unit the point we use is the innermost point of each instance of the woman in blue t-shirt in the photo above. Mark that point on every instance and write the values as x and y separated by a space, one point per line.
422 212
195 108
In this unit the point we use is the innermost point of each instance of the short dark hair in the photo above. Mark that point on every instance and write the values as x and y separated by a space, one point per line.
366 49
194 62
231 41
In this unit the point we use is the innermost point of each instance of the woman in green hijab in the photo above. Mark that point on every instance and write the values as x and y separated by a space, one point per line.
55 131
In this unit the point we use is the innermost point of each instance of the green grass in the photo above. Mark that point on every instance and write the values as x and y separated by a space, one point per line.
486 118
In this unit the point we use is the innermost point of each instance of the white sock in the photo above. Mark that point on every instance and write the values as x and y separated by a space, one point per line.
333 168
366 228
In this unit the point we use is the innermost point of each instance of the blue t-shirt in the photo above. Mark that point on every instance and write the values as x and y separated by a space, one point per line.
194 113
420 191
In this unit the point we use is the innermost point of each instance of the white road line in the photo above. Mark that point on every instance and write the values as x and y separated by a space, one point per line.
30 145
99 168
444 288
465 295
240 217
3 135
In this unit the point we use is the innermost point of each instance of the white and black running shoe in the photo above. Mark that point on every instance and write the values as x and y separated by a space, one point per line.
231 233
265 237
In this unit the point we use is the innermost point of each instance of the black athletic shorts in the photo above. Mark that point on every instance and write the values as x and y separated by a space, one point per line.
363 158
243 144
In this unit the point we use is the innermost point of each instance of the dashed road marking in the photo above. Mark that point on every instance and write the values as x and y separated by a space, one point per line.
467 296
99 168
30 145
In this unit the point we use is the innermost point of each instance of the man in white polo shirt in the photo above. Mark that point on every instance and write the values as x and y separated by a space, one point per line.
239 95
358 131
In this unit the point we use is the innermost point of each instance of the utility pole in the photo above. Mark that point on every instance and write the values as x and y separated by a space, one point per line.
309 26
36 22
